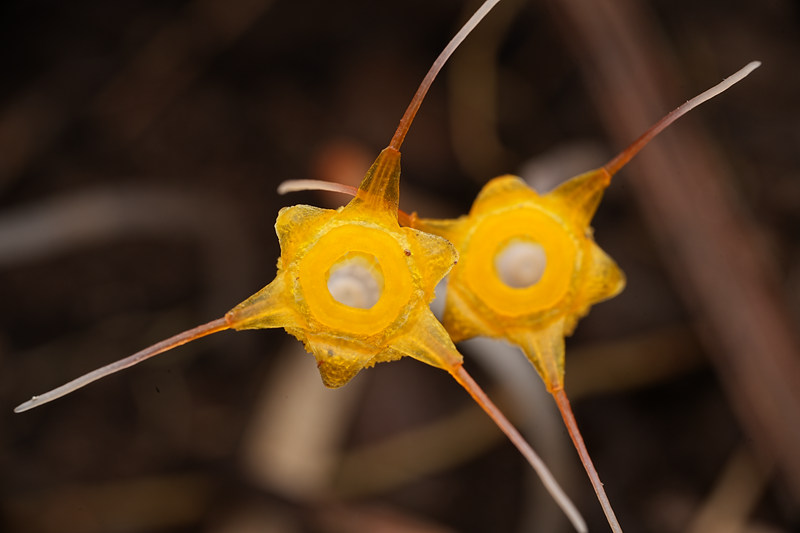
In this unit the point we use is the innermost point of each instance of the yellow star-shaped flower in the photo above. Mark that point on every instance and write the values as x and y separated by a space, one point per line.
528 268
353 285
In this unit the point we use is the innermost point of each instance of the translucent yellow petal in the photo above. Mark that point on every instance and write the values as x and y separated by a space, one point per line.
380 189
601 279
545 350
502 192
426 340
271 307
339 359
298 228
450 229
433 258
580 196
466 317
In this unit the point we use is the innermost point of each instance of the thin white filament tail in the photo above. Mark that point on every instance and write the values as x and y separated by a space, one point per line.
181 338
626 155
721 87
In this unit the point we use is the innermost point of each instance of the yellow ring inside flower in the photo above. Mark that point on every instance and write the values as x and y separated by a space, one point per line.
334 245
491 237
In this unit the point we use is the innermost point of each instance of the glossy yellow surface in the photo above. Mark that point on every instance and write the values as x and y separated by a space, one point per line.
577 273
345 339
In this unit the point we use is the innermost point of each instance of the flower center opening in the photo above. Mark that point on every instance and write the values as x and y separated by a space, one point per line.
356 280
520 263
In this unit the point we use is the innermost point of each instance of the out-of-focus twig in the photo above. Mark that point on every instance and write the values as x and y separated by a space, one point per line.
297 428
634 362
141 504
91 217
738 490
711 244
157 74
446 443
172 60
369 519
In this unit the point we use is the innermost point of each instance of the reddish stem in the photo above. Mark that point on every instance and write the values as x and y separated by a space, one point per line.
577 439
552 486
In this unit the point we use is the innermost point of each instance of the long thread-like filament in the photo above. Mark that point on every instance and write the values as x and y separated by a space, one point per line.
181 338
613 166
574 433
416 102
550 483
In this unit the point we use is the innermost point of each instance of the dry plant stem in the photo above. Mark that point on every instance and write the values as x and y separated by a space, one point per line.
575 434
416 102
466 381
167 344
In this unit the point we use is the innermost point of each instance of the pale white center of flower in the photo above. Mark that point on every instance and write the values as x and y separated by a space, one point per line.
356 280
520 263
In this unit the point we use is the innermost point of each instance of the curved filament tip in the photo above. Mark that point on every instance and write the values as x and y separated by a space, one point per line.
628 153
288 186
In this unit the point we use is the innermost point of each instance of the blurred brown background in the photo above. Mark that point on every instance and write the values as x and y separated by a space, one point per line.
140 147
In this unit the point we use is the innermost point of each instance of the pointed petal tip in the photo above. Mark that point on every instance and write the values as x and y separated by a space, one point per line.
380 189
